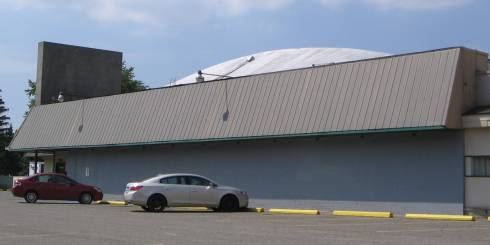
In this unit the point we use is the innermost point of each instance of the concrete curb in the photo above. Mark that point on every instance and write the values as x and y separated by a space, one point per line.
191 208
113 203
317 212
441 217
294 211
122 203
362 214
255 210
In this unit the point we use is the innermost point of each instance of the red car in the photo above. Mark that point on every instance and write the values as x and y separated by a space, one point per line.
53 186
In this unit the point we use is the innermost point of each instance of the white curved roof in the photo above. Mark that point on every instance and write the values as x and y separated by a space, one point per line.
280 60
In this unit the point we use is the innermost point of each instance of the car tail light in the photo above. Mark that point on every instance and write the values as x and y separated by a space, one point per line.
135 188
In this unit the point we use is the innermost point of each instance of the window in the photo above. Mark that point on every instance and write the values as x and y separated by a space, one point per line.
176 180
478 166
192 180
45 179
62 180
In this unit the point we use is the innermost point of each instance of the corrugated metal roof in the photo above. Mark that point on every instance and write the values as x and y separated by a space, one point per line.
392 93
281 60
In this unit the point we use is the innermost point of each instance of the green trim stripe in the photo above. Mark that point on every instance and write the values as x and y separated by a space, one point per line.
246 138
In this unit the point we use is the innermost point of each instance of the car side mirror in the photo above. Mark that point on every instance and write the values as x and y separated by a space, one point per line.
213 185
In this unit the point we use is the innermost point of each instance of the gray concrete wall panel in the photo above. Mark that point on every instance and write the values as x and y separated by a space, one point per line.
396 172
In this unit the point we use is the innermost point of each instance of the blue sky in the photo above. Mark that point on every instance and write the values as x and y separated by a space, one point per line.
170 39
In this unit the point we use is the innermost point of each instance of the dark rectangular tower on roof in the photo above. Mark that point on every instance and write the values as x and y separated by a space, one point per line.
77 72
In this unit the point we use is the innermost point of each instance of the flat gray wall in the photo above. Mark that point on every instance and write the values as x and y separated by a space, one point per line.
397 172
78 72
483 90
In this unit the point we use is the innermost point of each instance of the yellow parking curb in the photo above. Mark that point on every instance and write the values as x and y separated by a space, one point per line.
363 214
294 211
114 203
257 210
441 217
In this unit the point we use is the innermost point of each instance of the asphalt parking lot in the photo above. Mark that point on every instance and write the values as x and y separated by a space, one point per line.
70 223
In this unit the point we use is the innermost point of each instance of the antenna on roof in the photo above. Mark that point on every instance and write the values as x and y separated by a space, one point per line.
200 77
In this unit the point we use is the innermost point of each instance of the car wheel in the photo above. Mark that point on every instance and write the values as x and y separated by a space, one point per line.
85 198
31 197
229 203
156 203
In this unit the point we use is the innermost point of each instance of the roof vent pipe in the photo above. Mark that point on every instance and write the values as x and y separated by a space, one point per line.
199 77
61 98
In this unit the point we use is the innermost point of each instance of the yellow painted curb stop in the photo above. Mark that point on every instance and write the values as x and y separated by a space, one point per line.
257 210
441 217
294 211
363 214
114 203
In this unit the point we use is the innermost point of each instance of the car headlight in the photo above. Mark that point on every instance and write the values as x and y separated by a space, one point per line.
97 189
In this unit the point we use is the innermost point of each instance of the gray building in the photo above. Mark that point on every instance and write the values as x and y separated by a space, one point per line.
76 72
384 133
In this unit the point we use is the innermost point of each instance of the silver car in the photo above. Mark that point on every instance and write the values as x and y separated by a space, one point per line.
184 190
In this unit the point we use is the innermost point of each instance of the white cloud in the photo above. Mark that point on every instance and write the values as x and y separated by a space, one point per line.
114 11
150 13
40 5
411 5
418 4
237 7
333 3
